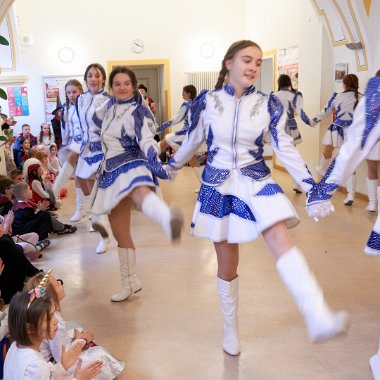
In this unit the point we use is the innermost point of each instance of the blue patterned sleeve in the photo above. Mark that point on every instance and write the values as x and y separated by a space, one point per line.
196 134
179 116
298 105
326 111
101 110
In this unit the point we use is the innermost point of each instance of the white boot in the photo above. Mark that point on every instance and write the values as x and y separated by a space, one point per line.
322 323
372 195
102 245
374 363
296 187
100 224
79 213
229 300
351 187
129 282
324 164
170 218
64 175
198 170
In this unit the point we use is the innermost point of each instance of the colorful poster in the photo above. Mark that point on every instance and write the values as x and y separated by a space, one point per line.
288 61
18 101
54 86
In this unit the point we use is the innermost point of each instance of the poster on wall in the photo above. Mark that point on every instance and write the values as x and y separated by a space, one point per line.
341 69
288 63
18 104
54 86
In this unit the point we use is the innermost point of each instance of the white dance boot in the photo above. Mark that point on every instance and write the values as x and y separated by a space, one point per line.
351 187
229 301
324 164
372 195
321 322
170 218
296 187
129 282
374 363
79 213
64 175
100 224
198 170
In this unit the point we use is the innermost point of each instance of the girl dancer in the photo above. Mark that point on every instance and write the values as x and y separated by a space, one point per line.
31 319
343 106
91 152
239 200
362 136
292 101
71 141
128 173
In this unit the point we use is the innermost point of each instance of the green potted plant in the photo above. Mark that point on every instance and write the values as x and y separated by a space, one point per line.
3 41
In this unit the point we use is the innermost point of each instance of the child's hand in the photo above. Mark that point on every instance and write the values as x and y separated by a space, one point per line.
44 205
69 357
1 266
89 371
89 337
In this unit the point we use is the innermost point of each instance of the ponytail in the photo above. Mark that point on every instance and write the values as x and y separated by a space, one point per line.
351 81
222 76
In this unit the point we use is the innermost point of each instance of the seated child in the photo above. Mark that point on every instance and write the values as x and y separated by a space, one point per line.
32 217
51 348
54 165
16 176
31 319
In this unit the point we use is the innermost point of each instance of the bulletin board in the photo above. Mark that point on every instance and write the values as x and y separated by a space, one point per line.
54 86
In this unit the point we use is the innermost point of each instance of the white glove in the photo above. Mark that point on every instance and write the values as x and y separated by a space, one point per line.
320 209
172 172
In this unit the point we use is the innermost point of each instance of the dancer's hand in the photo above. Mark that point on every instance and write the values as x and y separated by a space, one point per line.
320 209
172 172
89 337
69 357
89 371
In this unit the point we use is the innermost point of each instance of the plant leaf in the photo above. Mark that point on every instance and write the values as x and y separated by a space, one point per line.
3 94
3 41
3 138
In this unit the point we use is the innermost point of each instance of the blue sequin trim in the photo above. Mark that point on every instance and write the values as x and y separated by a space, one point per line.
96 120
257 154
197 107
374 241
143 179
106 179
270 189
218 205
304 117
131 155
337 128
372 107
342 123
95 146
329 103
275 109
214 176
139 114
155 165
95 159
78 138
257 171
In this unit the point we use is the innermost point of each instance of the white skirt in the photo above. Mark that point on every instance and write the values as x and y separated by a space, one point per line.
240 209
114 185
64 151
335 136
374 154
89 161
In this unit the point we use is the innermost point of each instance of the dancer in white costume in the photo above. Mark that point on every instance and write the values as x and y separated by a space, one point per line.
71 139
239 200
362 136
91 153
343 106
128 173
292 102
176 138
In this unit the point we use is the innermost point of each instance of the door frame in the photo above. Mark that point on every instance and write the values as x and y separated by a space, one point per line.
150 63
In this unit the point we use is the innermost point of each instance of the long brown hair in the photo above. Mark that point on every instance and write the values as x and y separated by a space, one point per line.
232 50
124 70
351 81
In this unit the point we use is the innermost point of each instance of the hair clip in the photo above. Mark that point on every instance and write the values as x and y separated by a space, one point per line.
40 290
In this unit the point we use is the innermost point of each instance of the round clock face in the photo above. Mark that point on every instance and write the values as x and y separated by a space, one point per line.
137 45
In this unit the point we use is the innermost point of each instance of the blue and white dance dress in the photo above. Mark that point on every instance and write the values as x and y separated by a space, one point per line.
343 105
130 152
238 198
71 130
293 103
175 139
91 151
362 136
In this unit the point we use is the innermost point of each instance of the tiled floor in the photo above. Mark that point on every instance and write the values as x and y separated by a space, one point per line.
172 329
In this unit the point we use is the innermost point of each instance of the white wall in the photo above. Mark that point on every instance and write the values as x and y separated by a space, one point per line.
101 31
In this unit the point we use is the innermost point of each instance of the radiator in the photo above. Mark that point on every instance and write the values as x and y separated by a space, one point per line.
202 80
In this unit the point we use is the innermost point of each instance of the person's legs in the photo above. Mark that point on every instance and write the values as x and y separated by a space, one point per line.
351 188
372 184
325 159
294 271
228 289
79 201
154 207
120 221
66 172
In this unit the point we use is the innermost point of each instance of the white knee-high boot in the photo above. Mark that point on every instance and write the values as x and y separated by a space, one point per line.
170 218
79 212
129 282
321 322
372 194
351 188
374 363
64 175
229 301
198 170
100 224
323 165
296 187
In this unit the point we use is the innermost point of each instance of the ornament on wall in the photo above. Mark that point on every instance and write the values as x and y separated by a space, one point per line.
207 50
137 45
66 54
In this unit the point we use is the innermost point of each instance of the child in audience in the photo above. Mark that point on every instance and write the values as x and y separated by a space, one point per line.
16 176
51 348
54 165
46 138
31 320
22 154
